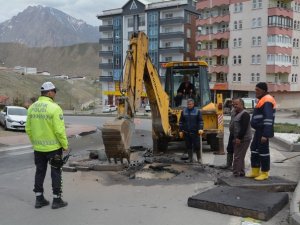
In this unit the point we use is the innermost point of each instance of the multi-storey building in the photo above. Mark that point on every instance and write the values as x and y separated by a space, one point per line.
248 41
169 24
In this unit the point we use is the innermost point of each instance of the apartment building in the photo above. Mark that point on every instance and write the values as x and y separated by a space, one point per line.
249 41
169 24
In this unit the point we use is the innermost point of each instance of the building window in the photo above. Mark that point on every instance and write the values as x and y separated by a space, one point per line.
239 77
234 77
253 41
130 22
239 59
117 62
240 42
188 18
234 60
188 47
259 22
253 22
234 43
294 78
258 58
168 59
253 61
259 41
168 44
168 15
235 25
257 77
188 33
240 24
259 4
254 4
252 77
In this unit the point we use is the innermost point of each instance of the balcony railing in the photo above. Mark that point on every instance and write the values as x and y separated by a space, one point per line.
105 53
212 20
173 20
278 69
274 87
105 40
173 34
211 3
105 65
218 69
105 28
178 49
280 12
216 36
212 52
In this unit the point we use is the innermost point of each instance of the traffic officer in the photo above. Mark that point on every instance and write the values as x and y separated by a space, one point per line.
45 128
262 122
191 126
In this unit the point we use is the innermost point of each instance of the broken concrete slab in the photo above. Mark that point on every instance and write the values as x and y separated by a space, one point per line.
108 167
273 184
69 169
243 202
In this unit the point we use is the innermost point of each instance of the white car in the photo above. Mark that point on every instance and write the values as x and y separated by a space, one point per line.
109 108
147 108
13 118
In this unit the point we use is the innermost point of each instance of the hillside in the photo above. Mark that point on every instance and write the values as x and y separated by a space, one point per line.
71 93
75 60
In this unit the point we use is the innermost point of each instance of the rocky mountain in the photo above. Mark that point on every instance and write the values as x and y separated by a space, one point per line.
39 26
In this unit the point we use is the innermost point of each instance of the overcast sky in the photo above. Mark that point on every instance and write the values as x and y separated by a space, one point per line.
85 10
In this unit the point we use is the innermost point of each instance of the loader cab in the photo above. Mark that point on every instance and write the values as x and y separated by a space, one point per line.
188 79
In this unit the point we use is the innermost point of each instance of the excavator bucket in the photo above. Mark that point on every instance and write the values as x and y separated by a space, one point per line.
116 137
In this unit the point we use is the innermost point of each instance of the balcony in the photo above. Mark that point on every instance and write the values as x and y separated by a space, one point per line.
105 66
278 69
106 28
279 50
275 11
213 52
274 87
275 30
105 53
212 20
173 20
170 35
211 3
218 69
218 86
217 36
163 50
105 40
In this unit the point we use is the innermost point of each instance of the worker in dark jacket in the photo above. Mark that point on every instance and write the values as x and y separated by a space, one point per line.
191 126
240 129
262 122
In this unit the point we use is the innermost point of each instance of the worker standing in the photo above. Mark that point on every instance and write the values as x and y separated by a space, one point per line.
46 130
240 129
190 127
263 122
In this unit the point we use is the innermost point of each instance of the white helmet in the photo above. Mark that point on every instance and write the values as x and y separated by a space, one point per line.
47 86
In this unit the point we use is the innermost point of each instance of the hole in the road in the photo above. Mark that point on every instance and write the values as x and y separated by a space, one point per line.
150 174
157 171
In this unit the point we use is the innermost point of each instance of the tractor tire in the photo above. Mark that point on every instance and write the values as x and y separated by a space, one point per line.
213 141
160 145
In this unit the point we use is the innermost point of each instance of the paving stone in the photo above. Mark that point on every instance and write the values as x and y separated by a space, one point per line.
243 202
108 167
273 184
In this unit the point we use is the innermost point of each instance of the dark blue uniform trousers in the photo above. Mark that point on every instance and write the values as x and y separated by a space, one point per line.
260 152
192 143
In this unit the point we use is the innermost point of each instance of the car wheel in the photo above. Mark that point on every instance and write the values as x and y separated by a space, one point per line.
5 126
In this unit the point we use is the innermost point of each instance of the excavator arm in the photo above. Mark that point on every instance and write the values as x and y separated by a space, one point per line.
139 71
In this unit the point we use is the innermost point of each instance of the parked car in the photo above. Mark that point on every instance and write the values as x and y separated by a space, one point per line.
13 118
147 108
109 108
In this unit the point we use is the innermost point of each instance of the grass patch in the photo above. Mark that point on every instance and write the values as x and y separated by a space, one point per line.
286 128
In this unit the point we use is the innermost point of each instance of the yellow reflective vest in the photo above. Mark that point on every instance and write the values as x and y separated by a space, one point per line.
45 126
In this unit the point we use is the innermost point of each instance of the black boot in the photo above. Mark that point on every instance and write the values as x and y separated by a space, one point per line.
40 202
58 203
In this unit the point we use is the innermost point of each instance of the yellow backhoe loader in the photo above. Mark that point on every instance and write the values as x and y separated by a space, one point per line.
164 104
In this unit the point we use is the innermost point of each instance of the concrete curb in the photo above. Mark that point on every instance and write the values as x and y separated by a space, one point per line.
294 207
